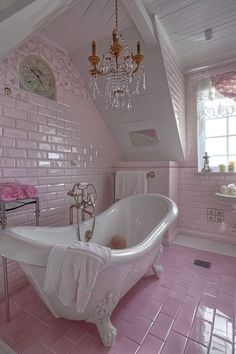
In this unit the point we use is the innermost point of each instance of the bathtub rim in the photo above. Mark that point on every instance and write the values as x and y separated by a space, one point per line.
117 256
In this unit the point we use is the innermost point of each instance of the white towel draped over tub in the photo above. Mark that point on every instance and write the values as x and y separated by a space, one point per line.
129 183
72 271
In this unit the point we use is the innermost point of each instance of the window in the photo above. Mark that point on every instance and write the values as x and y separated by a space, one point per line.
216 127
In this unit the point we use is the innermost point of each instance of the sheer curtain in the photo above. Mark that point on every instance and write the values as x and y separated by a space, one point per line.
216 110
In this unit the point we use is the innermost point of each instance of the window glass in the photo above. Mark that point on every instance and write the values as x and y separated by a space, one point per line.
232 145
232 125
216 127
217 160
216 146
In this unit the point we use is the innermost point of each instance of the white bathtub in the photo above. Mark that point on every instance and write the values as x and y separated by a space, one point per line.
143 219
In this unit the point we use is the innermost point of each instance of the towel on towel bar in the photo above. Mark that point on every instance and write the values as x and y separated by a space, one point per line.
72 272
129 183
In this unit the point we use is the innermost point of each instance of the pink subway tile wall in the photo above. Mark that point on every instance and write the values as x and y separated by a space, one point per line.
39 138
196 191
189 310
196 195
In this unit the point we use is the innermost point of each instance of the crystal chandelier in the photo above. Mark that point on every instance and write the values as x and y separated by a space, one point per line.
123 72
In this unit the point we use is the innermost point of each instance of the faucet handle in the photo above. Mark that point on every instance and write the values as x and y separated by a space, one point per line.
71 193
91 199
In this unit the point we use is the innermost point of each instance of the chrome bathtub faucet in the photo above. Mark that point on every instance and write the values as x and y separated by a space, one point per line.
83 200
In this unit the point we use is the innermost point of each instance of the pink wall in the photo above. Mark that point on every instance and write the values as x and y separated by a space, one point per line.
39 138
196 190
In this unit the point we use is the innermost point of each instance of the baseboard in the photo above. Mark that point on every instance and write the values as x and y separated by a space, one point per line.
208 236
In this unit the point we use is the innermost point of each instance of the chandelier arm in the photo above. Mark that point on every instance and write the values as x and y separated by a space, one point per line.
95 71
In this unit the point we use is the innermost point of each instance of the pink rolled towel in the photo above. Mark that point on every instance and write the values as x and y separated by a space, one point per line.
6 193
17 190
20 191
31 191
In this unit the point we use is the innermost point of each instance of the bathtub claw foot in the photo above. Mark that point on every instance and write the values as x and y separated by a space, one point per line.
157 269
101 319
107 331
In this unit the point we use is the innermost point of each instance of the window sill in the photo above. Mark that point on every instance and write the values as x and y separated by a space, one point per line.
215 173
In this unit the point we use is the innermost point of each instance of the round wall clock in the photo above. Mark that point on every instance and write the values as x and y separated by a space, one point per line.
36 76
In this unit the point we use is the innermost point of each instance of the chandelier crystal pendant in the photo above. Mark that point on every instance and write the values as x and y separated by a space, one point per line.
123 72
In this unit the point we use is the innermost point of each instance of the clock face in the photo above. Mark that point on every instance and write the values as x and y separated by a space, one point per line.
37 77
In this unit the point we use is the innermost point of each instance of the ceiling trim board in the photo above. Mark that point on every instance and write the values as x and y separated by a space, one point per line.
40 13
210 66
142 21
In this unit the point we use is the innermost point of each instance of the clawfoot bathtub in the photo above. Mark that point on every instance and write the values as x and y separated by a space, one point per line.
142 219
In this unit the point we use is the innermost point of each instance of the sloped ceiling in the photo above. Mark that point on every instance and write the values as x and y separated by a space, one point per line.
151 110
20 19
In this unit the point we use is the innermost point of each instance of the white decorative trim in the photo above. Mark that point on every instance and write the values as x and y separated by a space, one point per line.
101 318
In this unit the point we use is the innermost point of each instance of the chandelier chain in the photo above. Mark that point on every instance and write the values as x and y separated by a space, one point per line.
116 14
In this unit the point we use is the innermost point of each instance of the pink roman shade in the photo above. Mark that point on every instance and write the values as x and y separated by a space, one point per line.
225 84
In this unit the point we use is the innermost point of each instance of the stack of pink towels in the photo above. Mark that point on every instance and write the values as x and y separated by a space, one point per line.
16 190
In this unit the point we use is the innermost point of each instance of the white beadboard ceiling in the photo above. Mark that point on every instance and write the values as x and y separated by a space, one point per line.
184 22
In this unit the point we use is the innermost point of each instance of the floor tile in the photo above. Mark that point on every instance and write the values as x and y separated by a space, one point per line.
126 346
175 344
184 319
62 346
194 348
220 346
161 294
151 309
161 326
151 345
85 345
201 331
223 328
37 348
171 307
137 332
148 318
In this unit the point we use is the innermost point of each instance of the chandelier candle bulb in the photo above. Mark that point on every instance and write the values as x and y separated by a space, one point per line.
138 47
93 48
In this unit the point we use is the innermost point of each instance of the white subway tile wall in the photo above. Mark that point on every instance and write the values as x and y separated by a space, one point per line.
175 79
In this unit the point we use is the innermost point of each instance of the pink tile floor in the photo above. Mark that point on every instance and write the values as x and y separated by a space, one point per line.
190 310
